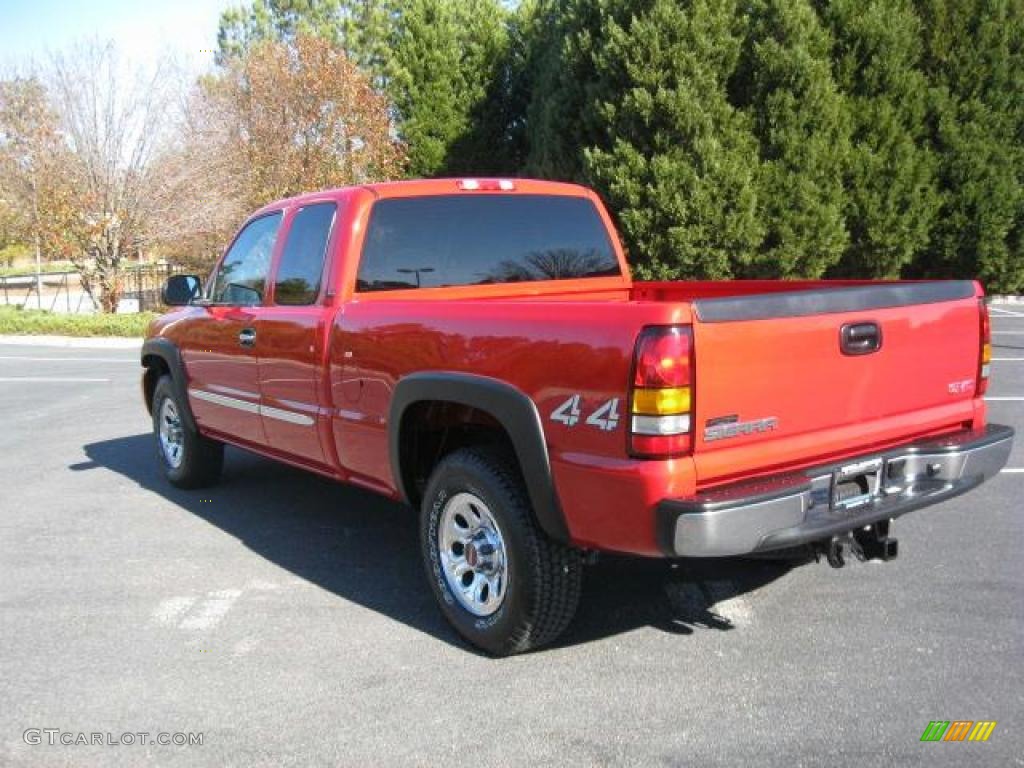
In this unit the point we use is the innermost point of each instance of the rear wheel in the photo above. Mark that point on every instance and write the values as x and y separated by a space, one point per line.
500 581
189 459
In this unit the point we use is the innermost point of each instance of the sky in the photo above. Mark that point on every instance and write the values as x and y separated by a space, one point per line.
142 30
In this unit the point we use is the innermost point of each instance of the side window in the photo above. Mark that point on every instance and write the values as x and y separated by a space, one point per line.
242 277
302 261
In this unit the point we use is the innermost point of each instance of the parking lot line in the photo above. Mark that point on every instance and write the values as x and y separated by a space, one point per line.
1014 471
1008 359
1005 312
1008 333
72 359
48 379
1005 399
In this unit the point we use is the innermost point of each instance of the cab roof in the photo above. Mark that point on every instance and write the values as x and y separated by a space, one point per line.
428 187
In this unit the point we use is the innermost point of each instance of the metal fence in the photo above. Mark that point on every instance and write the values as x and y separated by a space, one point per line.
143 283
63 292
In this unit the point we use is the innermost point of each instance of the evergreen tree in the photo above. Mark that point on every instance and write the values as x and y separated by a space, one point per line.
442 63
560 116
674 159
975 60
361 27
892 195
785 83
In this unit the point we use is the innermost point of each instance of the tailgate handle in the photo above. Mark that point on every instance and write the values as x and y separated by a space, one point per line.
860 338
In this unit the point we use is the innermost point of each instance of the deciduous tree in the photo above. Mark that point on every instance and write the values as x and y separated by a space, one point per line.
32 154
112 128
285 119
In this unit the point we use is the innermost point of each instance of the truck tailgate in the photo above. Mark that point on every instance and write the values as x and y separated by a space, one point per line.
777 386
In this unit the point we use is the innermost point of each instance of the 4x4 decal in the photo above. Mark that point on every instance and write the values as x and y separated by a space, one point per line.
605 418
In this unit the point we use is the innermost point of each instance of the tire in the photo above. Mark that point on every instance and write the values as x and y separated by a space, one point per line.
199 460
532 583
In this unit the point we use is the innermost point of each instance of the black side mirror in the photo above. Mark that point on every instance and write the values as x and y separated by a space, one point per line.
180 290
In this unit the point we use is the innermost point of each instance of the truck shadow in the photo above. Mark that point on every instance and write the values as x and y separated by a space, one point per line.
365 549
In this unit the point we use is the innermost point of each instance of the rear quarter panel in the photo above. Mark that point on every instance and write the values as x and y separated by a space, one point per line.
550 350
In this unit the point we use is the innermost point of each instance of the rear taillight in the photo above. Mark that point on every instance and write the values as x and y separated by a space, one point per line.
661 400
985 357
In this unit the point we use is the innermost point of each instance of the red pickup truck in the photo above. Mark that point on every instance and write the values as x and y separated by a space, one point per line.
477 349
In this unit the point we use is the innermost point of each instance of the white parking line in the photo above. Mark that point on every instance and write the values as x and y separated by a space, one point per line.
188 612
1005 312
72 359
1008 333
172 608
48 380
214 609
1005 399
71 342
1008 359
1014 471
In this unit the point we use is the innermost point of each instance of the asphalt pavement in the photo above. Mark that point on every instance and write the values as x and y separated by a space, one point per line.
285 620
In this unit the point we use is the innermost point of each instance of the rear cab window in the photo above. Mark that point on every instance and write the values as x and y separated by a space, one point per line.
455 240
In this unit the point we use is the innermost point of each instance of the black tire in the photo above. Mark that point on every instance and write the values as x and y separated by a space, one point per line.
543 578
201 458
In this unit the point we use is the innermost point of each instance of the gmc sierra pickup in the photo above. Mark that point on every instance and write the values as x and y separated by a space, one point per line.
477 349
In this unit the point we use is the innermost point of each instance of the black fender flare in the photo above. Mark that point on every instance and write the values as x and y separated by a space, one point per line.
168 351
516 413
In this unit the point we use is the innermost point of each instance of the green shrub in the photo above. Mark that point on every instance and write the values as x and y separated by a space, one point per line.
17 321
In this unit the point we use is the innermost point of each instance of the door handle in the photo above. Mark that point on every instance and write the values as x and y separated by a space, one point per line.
860 338
247 337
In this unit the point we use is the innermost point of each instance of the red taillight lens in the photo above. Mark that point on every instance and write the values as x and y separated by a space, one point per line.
660 446
662 397
985 356
663 358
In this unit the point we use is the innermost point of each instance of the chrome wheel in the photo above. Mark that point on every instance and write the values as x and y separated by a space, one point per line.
172 439
473 555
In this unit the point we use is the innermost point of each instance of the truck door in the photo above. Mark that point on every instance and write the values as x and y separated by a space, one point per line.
290 333
219 346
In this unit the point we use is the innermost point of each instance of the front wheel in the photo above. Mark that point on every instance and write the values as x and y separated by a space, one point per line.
189 459
500 581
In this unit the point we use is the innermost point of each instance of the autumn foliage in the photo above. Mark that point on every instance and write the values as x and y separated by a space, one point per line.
280 120
98 172
301 118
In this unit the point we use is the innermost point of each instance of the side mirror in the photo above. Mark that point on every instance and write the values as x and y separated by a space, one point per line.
180 290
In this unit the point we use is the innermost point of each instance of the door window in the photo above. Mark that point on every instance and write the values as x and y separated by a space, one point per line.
302 261
242 276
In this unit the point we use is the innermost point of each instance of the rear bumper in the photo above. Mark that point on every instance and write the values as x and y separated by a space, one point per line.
797 508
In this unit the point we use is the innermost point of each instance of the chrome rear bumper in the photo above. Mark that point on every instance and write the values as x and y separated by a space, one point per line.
798 508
